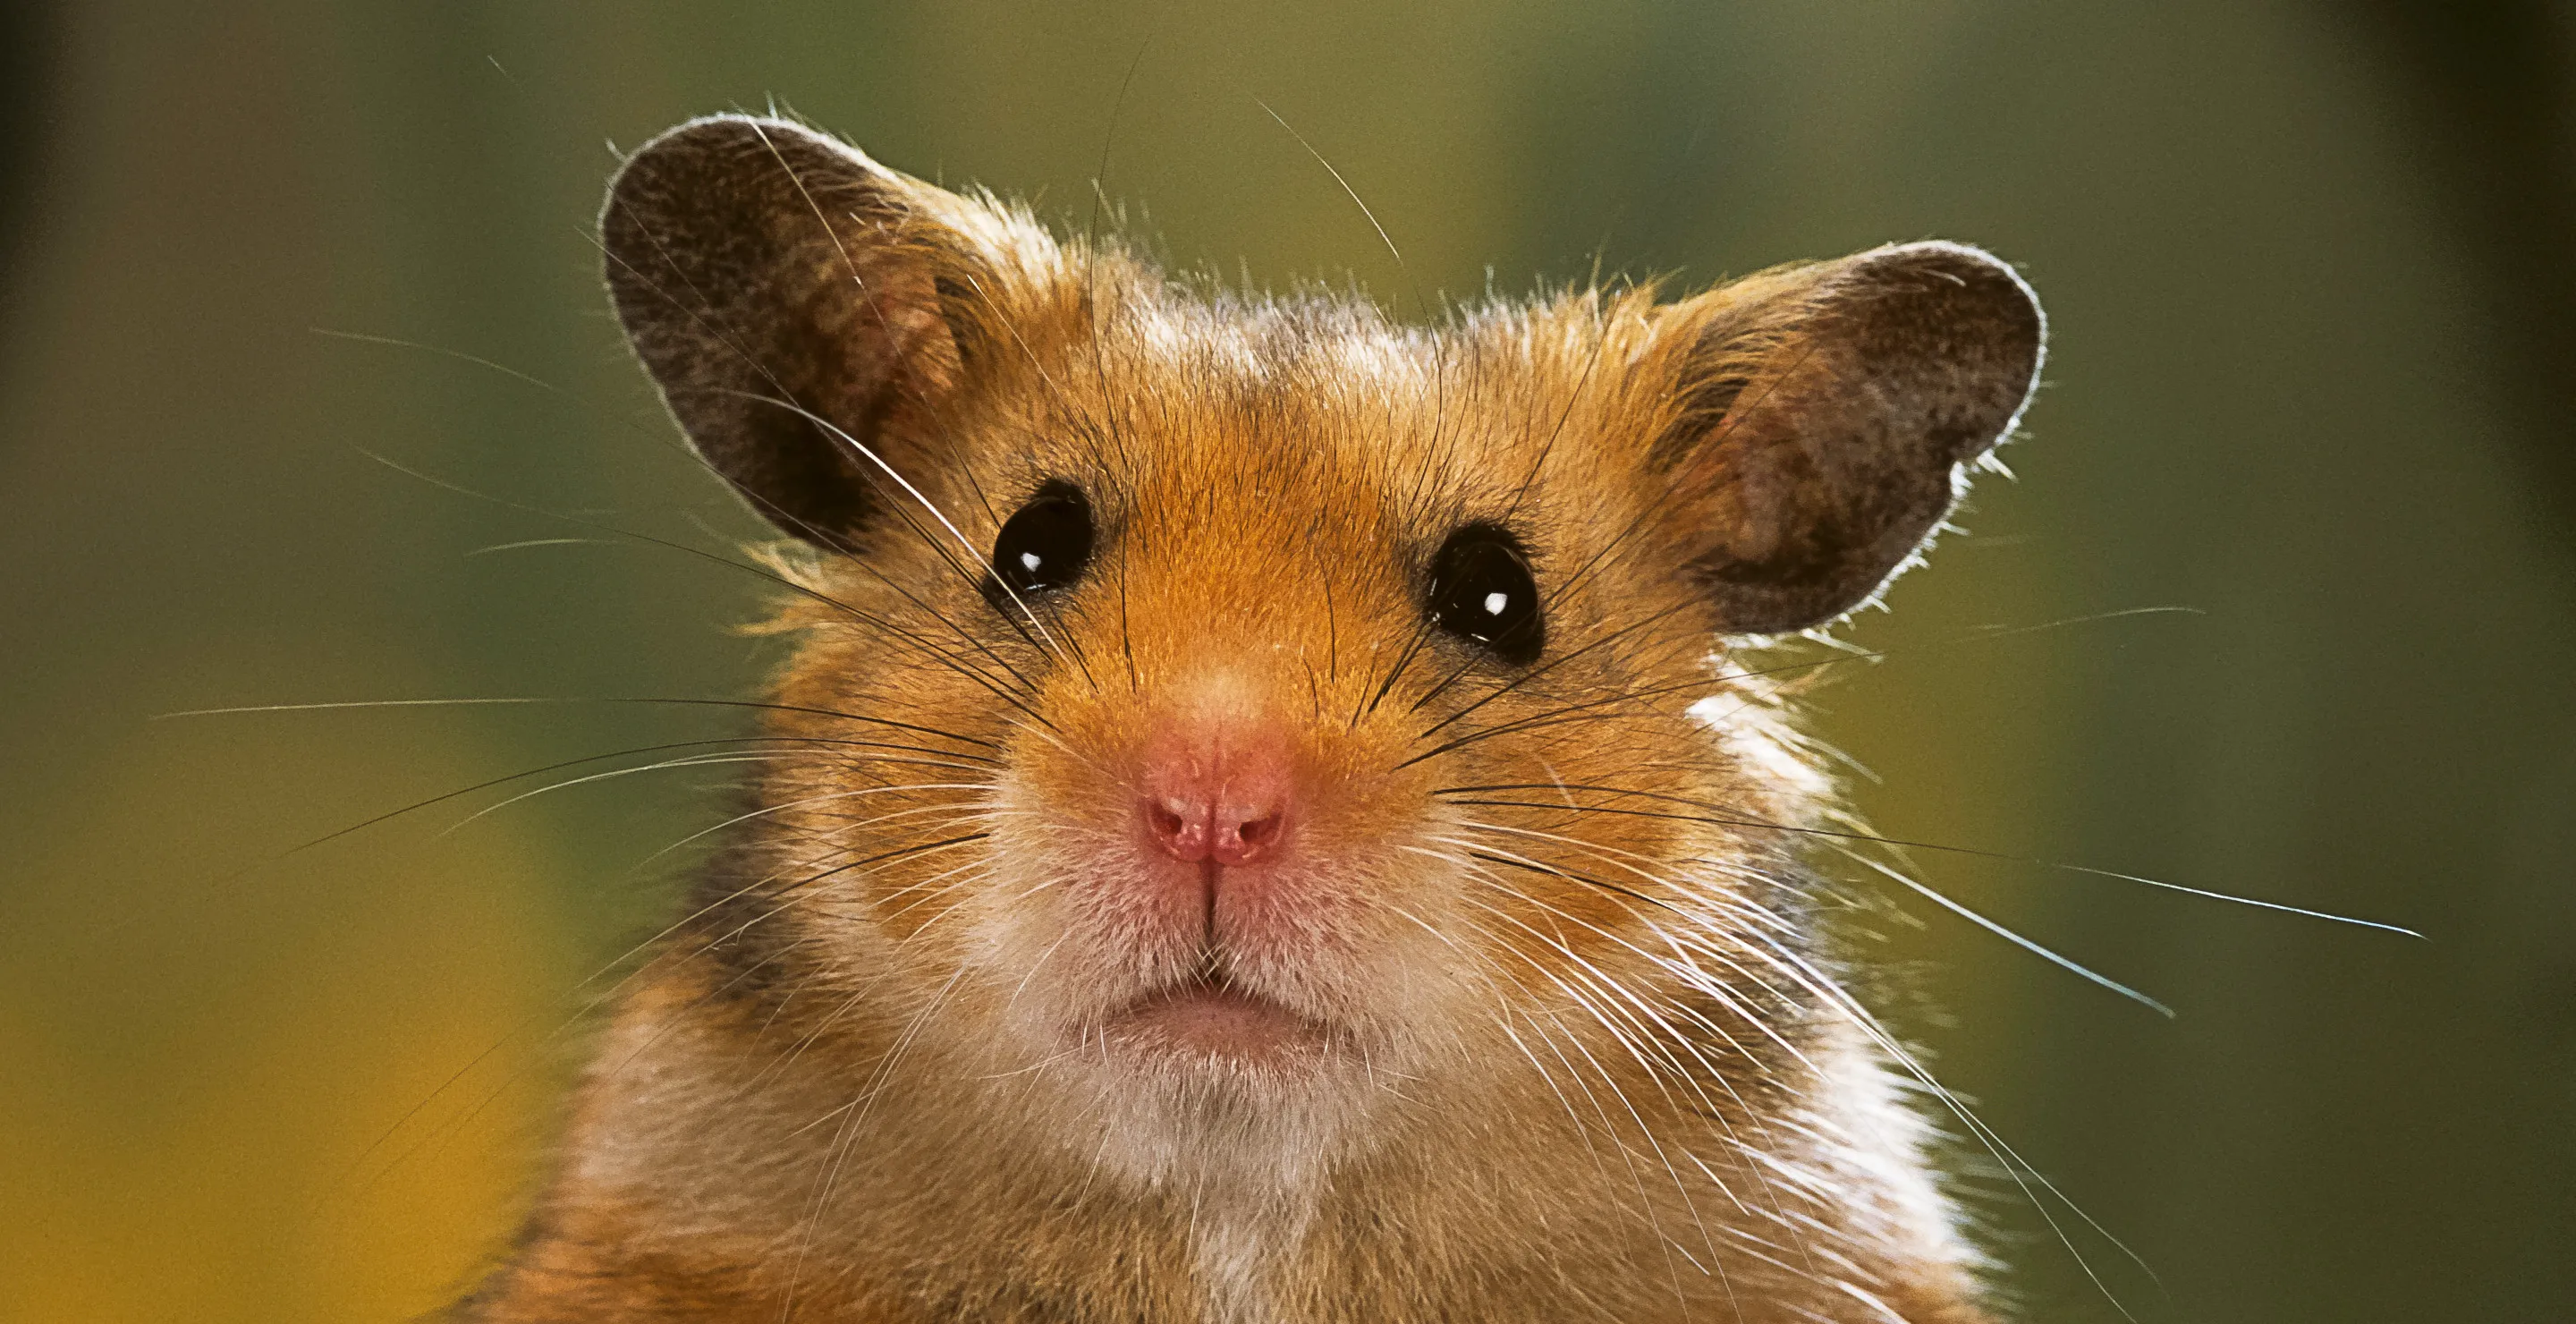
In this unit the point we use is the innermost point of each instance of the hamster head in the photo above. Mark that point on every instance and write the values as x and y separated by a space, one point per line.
1216 722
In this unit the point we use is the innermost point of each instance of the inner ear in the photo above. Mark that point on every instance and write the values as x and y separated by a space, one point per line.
791 299
1825 419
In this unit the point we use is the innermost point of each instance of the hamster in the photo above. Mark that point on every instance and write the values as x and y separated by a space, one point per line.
1261 823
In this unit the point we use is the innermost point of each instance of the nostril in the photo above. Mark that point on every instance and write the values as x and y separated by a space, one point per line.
1245 832
1259 831
1179 826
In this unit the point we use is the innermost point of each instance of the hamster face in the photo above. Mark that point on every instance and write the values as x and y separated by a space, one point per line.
1216 723
1260 828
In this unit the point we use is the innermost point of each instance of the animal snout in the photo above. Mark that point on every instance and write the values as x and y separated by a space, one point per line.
1217 794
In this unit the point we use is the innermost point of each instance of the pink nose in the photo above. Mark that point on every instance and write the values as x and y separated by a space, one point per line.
1217 799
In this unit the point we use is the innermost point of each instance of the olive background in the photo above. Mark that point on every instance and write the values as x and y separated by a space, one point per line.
2309 287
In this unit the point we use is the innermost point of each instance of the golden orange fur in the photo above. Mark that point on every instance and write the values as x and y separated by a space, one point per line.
1569 1044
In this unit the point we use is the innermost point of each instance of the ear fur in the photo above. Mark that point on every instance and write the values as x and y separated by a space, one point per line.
1827 415
764 272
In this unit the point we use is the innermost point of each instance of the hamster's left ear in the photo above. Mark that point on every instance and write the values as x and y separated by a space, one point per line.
1826 417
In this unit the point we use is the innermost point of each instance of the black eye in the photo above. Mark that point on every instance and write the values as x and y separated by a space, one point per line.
1481 591
1044 547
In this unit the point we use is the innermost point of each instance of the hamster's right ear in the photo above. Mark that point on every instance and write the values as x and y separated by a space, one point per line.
795 302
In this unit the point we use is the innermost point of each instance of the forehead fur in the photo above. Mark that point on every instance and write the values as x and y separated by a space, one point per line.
1085 322
1286 426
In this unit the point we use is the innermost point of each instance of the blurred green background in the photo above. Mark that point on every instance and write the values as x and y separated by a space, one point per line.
2307 274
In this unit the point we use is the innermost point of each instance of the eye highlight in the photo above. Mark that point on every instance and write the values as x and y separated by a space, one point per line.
1482 592
1043 547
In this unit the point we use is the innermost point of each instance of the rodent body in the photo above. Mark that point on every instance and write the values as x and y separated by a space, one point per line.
1258 826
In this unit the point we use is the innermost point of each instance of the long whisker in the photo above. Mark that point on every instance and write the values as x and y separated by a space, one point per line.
1721 819
938 656
547 699
768 507
1421 306
2046 954
1946 902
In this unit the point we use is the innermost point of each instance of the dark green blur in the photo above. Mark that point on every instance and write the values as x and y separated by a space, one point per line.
2307 378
